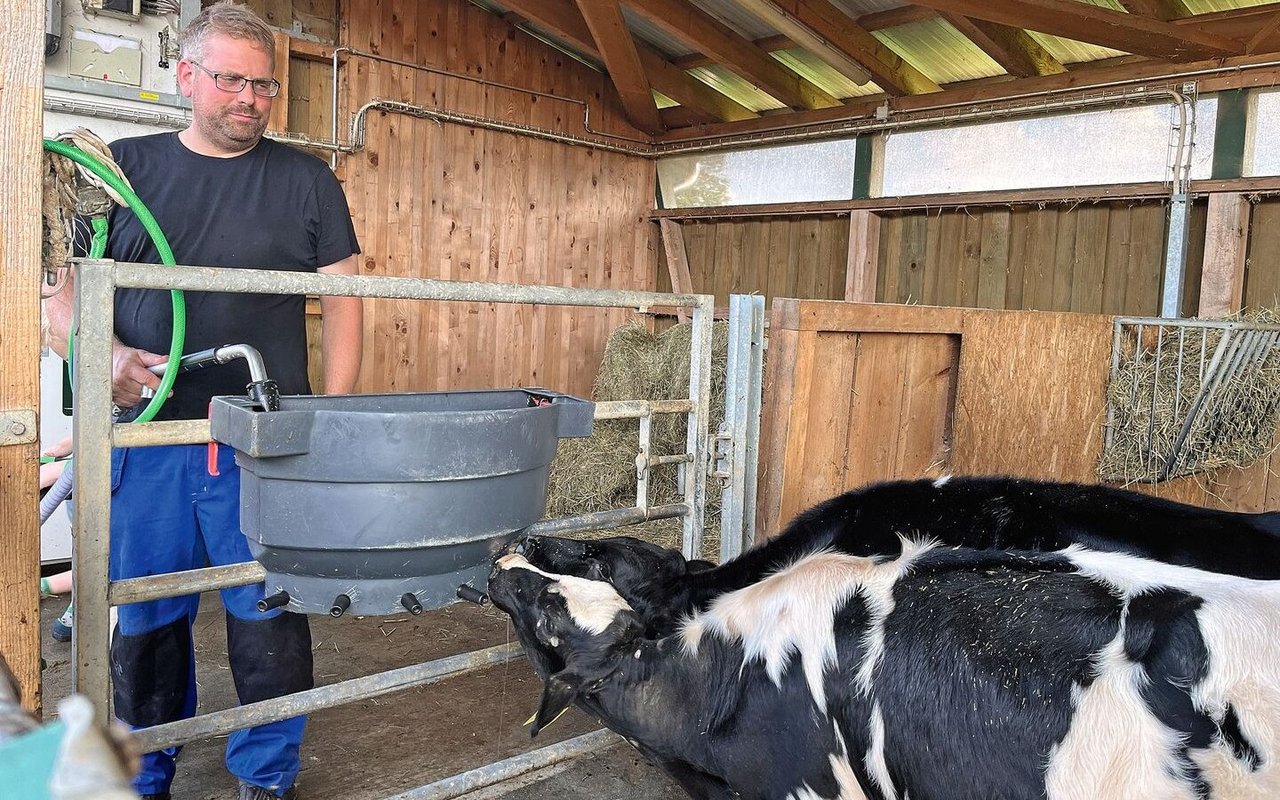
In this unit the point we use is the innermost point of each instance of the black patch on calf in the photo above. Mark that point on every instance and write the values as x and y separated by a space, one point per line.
1240 745
1006 634
1163 635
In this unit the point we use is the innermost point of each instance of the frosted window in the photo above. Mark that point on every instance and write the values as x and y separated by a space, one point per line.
1122 145
784 174
1262 151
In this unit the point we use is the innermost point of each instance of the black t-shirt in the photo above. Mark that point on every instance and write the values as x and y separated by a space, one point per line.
271 208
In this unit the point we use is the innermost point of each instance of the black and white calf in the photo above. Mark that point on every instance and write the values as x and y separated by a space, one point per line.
941 674
975 512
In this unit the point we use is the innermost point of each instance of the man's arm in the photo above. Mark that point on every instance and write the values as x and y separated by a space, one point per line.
342 333
129 371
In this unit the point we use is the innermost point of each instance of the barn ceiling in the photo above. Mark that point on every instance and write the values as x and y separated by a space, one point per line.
681 63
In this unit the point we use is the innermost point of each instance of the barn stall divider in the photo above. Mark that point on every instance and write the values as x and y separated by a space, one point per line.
96 435
864 392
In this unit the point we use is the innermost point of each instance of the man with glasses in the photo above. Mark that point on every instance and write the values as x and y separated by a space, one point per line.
224 196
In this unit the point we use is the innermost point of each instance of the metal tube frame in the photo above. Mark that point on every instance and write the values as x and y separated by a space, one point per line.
96 284
744 381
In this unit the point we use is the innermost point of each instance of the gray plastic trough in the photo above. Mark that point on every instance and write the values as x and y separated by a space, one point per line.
352 502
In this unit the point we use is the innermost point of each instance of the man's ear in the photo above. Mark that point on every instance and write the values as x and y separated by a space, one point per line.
558 693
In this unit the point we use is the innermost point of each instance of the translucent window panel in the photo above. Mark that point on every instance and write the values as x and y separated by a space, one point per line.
1121 145
1262 155
784 174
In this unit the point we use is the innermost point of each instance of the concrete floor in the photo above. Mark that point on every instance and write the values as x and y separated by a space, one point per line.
380 747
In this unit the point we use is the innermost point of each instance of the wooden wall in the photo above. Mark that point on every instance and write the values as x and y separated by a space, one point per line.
1100 258
1262 269
856 393
777 257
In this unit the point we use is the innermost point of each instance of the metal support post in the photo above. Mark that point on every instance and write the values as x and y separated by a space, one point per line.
695 473
743 382
1175 257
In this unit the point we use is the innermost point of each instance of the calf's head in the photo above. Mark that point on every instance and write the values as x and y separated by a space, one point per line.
652 579
574 630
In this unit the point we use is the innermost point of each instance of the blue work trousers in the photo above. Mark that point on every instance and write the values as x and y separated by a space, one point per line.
168 514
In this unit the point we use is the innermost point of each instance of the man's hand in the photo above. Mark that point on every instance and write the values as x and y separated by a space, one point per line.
129 374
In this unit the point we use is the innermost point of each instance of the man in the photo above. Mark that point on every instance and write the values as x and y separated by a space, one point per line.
224 196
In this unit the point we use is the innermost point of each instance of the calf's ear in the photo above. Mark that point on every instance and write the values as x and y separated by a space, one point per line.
558 693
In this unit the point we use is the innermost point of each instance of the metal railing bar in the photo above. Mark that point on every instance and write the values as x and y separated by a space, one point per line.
513 767
292 705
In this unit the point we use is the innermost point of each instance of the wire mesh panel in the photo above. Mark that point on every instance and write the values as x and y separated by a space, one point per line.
1188 396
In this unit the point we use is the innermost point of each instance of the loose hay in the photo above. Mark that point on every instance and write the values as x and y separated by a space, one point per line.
599 473
1153 393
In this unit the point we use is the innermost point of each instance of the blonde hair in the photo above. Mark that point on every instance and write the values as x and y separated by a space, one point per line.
228 19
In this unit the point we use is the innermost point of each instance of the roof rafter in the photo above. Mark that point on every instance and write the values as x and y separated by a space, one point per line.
1101 26
622 60
821 28
1157 9
1012 48
893 17
562 19
704 32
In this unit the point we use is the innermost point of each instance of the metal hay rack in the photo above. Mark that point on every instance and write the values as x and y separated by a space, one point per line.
1189 396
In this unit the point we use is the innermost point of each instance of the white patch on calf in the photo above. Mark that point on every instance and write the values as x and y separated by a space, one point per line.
1240 621
877 766
941 481
1115 748
592 605
793 611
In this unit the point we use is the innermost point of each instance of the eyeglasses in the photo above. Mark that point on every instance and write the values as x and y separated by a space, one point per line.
262 87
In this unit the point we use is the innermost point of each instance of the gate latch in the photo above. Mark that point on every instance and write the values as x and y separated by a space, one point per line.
722 454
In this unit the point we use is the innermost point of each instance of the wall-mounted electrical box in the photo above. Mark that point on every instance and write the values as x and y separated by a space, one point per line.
106 57
120 9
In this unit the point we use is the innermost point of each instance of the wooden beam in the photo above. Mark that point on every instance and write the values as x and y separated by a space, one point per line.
1012 48
21 163
1226 241
893 17
1258 42
864 257
279 118
891 72
677 260
1164 10
562 19
312 51
1096 25
703 32
782 15
622 61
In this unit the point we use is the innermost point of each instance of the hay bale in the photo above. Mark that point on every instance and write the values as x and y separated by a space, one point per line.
1154 393
599 473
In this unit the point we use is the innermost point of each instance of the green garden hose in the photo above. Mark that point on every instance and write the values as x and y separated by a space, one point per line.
99 246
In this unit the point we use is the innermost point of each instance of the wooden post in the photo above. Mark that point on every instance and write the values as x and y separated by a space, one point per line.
21 114
677 260
864 257
1226 241
279 119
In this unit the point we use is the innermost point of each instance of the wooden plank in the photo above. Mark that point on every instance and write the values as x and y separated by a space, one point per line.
1225 246
915 243
1115 276
677 259
1146 258
793 450
705 33
829 316
928 399
1262 270
1096 25
777 404
877 412
933 266
830 393
950 253
970 261
1019 227
622 62
1035 379
278 119
890 266
895 17
993 264
1088 278
21 160
864 257
1164 10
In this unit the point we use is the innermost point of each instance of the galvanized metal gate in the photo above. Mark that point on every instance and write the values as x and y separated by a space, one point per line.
96 284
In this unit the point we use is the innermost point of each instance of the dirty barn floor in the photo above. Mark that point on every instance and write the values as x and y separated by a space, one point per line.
380 747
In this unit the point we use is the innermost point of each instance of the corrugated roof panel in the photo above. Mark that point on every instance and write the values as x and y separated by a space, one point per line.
642 28
1209 6
856 8
939 51
822 74
1069 51
722 80
743 22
